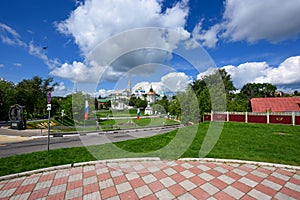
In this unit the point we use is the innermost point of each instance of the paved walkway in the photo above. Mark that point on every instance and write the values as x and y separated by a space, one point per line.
155 179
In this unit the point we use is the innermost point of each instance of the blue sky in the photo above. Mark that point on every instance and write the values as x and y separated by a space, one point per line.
254 40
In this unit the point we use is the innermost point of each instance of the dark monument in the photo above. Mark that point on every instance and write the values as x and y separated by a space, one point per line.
16 116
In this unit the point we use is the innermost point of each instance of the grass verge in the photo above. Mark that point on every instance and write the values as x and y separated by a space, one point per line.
257 142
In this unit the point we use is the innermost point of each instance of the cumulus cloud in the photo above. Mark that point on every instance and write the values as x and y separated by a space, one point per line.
1 65
285 75
254 20
60 90
171 82
100 29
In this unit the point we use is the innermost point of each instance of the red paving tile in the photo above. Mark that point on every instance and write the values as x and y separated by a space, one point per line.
224 181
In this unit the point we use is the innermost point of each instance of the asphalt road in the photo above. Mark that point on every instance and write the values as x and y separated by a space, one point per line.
40 144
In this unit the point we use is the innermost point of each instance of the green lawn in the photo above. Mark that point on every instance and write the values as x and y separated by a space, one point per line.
258 142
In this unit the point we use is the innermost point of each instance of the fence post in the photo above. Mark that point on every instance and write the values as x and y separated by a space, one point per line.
246 117
212 116
268 117
227 116
293 118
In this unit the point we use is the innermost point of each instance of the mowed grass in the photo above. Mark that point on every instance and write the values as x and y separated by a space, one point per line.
257 142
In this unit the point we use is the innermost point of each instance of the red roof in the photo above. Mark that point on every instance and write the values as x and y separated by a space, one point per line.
276 104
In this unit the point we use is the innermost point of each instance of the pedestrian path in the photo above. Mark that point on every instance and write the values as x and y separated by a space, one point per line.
156 179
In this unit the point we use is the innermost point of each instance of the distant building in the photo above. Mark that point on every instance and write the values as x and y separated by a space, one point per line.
151 96
275 104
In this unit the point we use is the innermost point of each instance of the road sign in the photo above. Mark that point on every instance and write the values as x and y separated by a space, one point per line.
49 97
48 106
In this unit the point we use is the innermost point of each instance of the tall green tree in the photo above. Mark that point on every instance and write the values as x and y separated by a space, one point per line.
7 98
32 93
251 90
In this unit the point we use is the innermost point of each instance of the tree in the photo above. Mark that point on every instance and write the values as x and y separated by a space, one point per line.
189 106
164 103
141 103
32 93
213 91
252 90
174 107
7 98
132 100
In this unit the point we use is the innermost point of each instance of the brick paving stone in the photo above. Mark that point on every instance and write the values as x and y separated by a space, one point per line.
223 195
156 186
92 196
280 195
177 190
187 196
39 194
167 182
71 194
221 170
218 183
131 176
248 182
24 189
164 195
199 193
135 183
203 167
149 178
209 188
188 185
206 176
232 191
157 180
226 179
7 193
142 191
123 187
108 192
259 195
20 196
57 189
280 176
75 177
271 184
29 181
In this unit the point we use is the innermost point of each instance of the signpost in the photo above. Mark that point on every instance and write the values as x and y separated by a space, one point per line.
49 109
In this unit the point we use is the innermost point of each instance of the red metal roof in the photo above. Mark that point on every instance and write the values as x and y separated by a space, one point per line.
276 104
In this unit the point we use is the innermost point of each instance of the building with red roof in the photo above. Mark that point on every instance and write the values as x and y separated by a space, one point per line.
276 104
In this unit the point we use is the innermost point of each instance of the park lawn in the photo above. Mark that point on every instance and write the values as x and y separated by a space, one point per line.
257 142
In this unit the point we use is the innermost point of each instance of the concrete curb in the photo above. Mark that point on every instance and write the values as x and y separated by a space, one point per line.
28 173
242 162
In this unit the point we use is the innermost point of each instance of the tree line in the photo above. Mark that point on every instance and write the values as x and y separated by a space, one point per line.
208 93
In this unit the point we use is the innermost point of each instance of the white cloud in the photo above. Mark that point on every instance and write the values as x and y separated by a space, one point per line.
18 64
107 22
61 90
171 82
247 72
10 36
95 21
77 72
1 65
207 38
285 75
254 20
